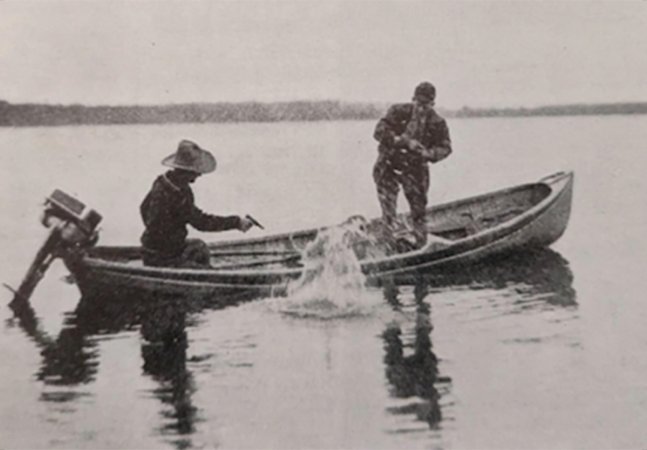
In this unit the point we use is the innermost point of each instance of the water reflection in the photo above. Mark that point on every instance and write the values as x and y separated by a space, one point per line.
163 349
536 279
541 275
412 376
71 359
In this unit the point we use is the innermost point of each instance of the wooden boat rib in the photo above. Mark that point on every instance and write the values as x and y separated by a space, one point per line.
462 232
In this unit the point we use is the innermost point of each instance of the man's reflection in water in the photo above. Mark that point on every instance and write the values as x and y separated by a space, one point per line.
164 352
72 358
412 375
533 279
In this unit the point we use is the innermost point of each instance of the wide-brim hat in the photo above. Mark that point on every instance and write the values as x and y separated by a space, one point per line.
189 156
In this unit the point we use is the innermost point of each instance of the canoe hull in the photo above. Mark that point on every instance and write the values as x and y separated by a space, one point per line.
540 230
540 226
97 281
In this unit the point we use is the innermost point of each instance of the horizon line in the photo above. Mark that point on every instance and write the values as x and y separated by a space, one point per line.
313 101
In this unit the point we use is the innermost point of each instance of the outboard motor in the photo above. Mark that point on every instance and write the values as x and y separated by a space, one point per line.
73 227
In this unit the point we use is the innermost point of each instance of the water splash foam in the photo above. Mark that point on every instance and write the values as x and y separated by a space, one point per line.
332 285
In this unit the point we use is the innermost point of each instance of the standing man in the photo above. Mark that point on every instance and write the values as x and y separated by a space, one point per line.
410 136
169 207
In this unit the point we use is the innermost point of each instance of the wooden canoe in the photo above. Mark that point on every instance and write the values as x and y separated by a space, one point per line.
462 232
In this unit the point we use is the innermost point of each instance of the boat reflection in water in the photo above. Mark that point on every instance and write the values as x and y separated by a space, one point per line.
537 279
543 274
70 361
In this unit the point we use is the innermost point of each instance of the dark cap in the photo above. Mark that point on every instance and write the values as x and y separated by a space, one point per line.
425 91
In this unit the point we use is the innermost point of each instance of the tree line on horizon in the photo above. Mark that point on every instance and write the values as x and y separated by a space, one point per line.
33 114
557 110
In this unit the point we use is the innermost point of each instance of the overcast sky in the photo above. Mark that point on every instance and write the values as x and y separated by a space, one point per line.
479 53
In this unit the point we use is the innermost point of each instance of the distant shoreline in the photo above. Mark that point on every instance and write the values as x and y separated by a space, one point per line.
29 114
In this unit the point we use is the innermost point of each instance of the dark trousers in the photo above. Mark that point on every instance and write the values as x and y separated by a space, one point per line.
415 184
195 255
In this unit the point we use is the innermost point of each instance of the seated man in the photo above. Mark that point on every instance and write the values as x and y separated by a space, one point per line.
169 207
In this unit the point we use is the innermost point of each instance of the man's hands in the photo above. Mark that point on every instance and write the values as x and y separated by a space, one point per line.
415 146
405 143
433 154
245 224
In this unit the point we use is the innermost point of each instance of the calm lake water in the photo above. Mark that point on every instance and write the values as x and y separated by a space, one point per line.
542 351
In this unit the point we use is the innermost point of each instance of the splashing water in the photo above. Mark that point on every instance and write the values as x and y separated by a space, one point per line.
332 284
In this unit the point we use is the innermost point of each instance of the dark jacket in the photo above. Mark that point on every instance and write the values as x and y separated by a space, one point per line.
167 210
434 134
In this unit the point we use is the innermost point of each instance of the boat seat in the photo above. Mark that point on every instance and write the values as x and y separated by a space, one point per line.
435 243
431 237
496 219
